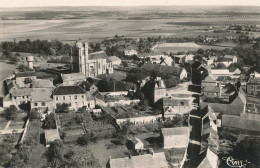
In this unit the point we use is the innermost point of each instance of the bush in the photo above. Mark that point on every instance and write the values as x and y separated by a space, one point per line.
83 140
62 108
49 122
33 114
10 113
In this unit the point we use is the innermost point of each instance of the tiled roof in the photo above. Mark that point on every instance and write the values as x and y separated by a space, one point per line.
41 95
42 83
25 74
175 131
155 160
210 78
22 92
219 71
73 76
99 55
69 90
211 89
163 69
228 57
235 108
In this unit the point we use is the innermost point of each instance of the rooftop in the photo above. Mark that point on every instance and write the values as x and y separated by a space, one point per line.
22 92
175 102
41 95
42 83
25 74
155 160
51 134
99 55
175 131
72 77
69 90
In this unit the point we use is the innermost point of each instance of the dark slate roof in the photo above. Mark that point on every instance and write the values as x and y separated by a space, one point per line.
25 74
69 90
211 89
99 55
163 68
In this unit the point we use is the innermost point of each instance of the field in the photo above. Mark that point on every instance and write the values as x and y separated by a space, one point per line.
178 47
98 28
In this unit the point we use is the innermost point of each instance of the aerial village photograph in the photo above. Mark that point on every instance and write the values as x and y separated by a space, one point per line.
129 84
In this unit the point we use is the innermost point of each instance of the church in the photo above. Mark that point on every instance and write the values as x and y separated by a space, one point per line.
92 64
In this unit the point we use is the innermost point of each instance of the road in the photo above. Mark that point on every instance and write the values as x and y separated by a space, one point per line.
195 134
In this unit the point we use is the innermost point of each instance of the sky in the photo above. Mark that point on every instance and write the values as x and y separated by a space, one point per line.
36 3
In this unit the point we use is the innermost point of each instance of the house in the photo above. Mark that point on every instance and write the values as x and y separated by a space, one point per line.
75 96
136 143
24 79
228 60
17 97
220 72
253 87
89 87
234 71
170 70
236 107
173 106
42 83
209 80
130 52
72 79
154 160
177 137
209 159
115 61
91 65
181 59
50 136
41 99
161 60
210 60
211 91
97 112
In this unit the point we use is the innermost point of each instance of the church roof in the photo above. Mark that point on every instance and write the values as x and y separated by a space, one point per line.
99 55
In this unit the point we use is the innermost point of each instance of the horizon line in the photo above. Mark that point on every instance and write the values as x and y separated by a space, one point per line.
132 6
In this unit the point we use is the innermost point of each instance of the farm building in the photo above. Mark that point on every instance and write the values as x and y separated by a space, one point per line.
72 79
24 79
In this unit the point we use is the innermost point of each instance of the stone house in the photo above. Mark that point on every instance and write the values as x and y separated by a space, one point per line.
41 99
75 96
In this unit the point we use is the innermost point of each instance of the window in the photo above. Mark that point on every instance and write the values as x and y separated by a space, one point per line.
14 98
258 87
57 98
252 87
70 97
63 97
35 104
75 97
99 65
43 103
82 96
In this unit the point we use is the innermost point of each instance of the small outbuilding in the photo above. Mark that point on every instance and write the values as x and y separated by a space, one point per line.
177 137
50 136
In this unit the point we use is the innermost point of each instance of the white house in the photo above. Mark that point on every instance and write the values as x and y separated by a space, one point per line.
136 143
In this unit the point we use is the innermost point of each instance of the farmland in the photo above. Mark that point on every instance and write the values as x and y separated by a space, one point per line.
179 47
97 29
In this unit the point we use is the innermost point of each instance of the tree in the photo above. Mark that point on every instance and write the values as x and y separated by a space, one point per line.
56 153
49 122
10 113
33 114
83 140
62 108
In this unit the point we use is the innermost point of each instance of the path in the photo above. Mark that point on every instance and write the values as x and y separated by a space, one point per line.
7 125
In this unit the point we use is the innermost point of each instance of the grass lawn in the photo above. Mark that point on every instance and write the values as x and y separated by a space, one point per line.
103 149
